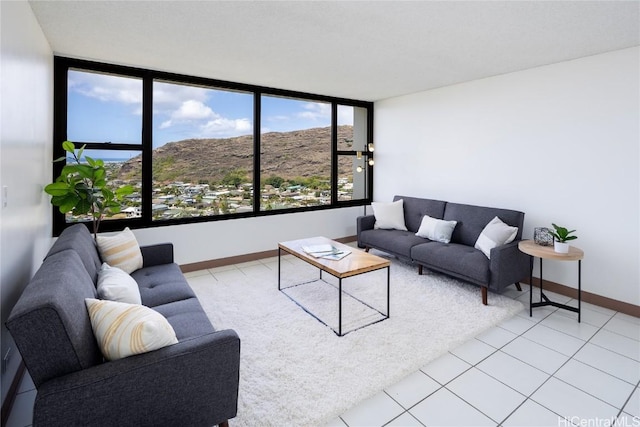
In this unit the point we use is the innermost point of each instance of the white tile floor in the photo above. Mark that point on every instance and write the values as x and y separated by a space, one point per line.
545 370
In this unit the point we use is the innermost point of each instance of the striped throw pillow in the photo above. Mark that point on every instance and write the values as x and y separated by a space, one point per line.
123 329
121 250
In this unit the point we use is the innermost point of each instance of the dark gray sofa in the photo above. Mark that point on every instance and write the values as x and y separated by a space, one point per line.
506 266
193 382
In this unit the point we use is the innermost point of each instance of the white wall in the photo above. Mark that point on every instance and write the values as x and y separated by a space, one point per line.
26 97
559 142
221 239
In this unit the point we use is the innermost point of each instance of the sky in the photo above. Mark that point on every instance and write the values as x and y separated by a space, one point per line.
106 108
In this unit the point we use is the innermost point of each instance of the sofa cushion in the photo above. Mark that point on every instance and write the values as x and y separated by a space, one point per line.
116 285
50 324
460 261
79 239
396 242
162 284
123 330
438 230
472 220
121 250
496 233
186 317
389 215
415 209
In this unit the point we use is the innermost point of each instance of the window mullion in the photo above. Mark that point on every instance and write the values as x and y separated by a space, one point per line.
334 152
147 148
257 121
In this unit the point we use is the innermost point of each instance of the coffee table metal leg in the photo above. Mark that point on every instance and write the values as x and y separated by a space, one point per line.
340 307
388 290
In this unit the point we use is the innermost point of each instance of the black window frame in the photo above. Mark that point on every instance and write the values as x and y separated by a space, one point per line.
63 64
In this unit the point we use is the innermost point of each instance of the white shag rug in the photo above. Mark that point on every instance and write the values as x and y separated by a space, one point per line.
295 371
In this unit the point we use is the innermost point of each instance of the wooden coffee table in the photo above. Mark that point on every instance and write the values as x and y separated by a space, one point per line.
357 262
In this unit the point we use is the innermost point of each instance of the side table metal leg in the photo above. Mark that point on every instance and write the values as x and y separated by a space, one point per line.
579 288
279 253
540 279
531 288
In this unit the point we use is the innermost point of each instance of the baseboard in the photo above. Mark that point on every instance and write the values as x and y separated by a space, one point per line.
621 306
612 304
11 394
221 262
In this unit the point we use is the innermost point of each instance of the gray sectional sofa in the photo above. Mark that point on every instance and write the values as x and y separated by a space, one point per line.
506 265
193 382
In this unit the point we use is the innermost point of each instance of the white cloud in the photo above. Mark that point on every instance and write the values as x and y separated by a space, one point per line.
206 122
221 126
106 88
167 97
315 111
193 110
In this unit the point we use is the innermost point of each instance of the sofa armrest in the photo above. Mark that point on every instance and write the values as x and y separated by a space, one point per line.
159 254
194 382
364 223
508 265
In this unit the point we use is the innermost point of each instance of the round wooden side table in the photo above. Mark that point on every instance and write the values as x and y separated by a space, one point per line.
529 247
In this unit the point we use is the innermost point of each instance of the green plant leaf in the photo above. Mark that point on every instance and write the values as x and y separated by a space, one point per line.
125 190
562 234
108 194
82 207
68 146
68 203
57 189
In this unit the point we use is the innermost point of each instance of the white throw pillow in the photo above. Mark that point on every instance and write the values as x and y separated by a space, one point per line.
123 330
435 229
121 250
389 215
496 233
116 285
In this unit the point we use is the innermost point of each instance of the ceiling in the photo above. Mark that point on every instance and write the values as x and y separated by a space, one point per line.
365 50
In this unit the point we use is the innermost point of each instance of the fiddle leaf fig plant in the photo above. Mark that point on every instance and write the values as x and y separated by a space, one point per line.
82 187
561 234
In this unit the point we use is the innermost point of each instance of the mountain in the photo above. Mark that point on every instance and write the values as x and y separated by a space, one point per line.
300 153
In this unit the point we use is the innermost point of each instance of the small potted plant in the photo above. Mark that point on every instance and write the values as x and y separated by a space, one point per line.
82 187
561 236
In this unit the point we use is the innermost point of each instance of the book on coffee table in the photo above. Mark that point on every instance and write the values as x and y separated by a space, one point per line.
338 255
325 251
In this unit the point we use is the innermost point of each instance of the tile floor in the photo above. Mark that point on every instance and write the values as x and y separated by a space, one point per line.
545 370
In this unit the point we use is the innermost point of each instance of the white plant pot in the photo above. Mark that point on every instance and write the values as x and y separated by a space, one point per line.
561 248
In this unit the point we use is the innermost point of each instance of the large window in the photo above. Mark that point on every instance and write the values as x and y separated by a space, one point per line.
203 151
198 149
295 148
104 111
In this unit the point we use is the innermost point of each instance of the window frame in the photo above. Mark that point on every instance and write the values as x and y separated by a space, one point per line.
63 64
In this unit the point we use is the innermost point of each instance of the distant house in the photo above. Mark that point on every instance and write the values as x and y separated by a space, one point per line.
132 212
